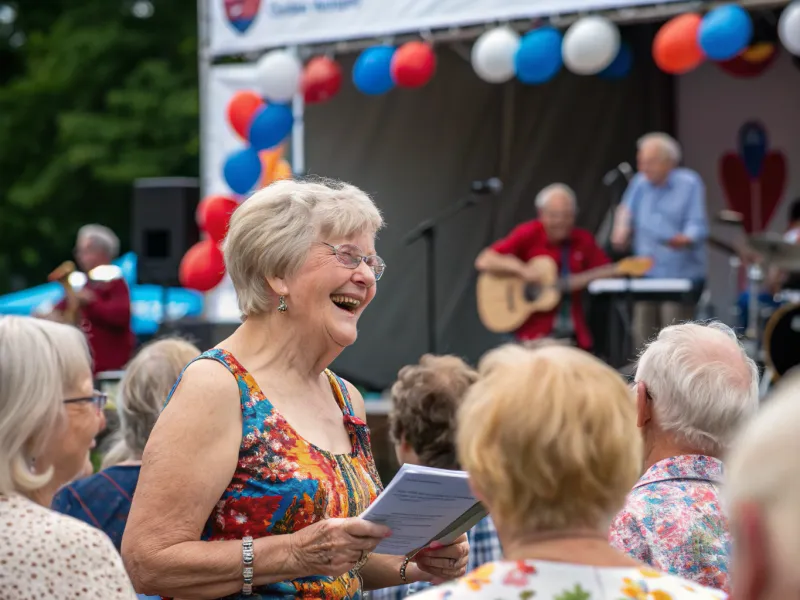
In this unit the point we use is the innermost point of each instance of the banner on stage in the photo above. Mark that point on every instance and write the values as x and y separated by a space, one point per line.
241 26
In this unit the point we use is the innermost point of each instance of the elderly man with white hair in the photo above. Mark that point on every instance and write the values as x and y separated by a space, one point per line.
664 212
694 387
762 494
574 250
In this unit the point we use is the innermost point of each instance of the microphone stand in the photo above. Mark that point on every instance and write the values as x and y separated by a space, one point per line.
427 230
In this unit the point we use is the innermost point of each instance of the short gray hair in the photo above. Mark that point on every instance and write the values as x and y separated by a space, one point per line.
543 197
762 468
668 145
36 359
101 237
702 382
148 379
271 232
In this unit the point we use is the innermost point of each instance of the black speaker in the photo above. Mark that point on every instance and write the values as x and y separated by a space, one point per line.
163 226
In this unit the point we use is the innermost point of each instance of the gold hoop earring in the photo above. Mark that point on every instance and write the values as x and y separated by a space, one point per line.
282 304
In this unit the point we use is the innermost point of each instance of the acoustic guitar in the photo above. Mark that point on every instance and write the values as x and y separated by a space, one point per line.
506 302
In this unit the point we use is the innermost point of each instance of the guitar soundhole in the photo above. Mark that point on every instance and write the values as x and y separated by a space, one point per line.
532 292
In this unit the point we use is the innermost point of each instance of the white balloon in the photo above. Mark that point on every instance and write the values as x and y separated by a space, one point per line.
493 55
789 28
279 74
590 45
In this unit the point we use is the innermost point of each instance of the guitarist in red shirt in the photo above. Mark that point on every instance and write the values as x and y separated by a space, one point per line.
553 234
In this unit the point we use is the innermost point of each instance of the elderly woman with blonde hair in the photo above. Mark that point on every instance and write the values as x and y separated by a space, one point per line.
256 472
104 499
549 439
49 415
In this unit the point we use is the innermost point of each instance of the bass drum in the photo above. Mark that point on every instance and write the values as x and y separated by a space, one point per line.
782 339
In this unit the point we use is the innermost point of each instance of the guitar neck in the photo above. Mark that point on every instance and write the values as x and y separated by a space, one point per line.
581 280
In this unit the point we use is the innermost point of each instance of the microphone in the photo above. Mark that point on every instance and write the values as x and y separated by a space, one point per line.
491 186
623 169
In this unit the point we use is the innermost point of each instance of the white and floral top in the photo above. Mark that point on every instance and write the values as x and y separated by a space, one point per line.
541 580
44 554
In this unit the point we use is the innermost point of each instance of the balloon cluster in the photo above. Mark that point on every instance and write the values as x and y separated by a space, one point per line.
380 69
591 46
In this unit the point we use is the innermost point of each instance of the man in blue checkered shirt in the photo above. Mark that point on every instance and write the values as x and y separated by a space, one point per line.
425 400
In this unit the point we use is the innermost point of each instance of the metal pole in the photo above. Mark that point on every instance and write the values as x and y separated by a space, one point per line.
203 67
298 129
430 248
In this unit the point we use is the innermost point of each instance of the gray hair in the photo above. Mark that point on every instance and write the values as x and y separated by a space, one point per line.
762 468
101 237
148 379
543 197
702 382
668 145
37 360
271 232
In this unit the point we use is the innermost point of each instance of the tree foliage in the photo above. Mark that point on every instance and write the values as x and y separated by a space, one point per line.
92 100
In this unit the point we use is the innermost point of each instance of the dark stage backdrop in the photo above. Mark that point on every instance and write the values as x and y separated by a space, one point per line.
416 152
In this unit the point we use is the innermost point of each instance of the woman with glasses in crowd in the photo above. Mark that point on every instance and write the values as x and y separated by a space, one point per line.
260 464
49 416
104 499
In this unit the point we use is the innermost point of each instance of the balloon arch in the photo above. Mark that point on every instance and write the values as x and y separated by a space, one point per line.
591 46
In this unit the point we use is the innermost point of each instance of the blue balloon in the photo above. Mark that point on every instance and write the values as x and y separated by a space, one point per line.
725 32
271 125
372 73
538 58
621 65
242 170
753 146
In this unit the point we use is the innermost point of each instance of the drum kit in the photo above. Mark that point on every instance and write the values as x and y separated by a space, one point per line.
776 323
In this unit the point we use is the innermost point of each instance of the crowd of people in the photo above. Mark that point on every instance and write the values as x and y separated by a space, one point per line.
241 471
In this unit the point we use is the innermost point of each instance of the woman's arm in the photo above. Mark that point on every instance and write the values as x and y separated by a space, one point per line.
189 460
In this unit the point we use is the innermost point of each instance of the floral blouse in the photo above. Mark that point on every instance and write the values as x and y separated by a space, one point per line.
541 580
674 522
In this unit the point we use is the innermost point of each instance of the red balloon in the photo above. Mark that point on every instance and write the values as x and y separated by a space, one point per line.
241 110
675 47
322 79
202 267
214 215
413 64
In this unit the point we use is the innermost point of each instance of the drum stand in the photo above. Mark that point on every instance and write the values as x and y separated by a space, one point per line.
755 275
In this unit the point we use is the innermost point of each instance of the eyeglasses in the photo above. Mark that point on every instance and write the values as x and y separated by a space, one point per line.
99 399
351 256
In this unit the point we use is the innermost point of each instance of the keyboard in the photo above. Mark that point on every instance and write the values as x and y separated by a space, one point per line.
664 290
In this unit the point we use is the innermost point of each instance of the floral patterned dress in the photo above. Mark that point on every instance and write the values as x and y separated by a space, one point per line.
283 483
542 580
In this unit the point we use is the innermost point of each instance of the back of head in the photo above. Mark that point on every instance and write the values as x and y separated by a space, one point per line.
702 384
763 469
549 438
148 379
30 400
102 238
271 232
425 401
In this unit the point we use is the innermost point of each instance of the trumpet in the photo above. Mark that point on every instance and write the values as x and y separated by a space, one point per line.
73 281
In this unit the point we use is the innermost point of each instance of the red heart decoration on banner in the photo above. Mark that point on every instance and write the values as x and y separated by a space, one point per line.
736 185
739 188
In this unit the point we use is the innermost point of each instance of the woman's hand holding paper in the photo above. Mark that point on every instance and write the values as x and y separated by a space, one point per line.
439 563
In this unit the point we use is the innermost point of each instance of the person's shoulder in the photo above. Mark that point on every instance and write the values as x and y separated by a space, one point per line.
583 236
353 394
677 588
489 576
684 174
211 373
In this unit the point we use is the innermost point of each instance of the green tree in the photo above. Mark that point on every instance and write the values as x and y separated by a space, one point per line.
93 99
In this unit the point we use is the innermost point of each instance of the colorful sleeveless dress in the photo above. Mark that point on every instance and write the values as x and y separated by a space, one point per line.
284 483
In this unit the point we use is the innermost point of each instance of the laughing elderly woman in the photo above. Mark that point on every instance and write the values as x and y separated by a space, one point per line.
255 474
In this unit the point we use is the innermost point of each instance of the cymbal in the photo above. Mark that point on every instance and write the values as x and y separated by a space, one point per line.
775 250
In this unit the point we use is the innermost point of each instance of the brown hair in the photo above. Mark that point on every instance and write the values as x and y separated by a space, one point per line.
425 400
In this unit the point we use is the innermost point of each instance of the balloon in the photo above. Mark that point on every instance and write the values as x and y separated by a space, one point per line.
283 170
538 58
242 170
753 147
372 73
270 126
675 47
214 215
590 45
621 65
725 31
241 110
789 28
322 79
202 267
279 75
413 64
269 159
493 55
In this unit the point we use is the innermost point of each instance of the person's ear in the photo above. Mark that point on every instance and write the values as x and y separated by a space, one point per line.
278 286
643 407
